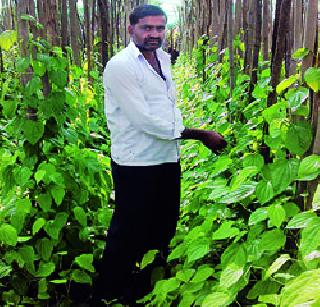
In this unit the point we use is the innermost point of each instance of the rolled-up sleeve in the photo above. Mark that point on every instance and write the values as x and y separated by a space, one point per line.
123 86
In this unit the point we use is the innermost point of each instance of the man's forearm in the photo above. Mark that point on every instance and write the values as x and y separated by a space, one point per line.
211 139
193 134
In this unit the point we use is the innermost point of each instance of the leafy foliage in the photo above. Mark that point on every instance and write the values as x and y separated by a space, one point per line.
54 178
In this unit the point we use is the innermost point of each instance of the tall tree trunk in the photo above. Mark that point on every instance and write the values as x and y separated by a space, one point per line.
42 15
22 8
205 14
64 25
196 10
310 32
111 27
42 18
13 15
265 29
123 23
33 29
238 15
179 37
58 16
298 25
246 35
81 34
6 15
87 10
257 42
281 29
74 29
251 35
190 29
184 28
118 23
23 35
297 29
104 31
222 27
209 14
3 20
51 25
275 28
32 12
93 26
215 21
127 13
288 44
230 45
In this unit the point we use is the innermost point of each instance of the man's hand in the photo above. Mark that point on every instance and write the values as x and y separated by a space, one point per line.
211 139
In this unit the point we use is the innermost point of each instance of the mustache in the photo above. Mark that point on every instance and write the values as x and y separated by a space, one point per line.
159 40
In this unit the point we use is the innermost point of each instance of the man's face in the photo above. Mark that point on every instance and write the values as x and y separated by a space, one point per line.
148 34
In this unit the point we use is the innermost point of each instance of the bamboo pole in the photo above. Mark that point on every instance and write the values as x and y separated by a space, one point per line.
265 30
310 28
230 44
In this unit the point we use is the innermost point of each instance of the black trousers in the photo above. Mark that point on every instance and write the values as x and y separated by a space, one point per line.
145 217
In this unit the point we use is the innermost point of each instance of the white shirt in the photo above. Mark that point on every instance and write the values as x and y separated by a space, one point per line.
142 117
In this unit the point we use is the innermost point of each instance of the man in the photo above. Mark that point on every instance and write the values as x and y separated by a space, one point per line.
145 128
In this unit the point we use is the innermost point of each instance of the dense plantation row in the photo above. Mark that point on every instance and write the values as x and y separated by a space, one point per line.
55 182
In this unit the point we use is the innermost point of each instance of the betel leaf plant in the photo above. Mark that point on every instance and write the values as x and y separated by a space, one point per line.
54 179
242 237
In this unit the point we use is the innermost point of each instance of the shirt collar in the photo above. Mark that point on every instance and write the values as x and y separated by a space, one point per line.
134 50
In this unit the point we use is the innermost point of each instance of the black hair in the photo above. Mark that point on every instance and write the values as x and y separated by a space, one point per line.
145 10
